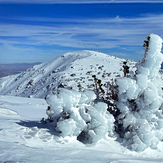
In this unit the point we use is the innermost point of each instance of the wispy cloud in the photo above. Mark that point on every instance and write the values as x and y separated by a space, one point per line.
109 33
86 33
78 1
148 18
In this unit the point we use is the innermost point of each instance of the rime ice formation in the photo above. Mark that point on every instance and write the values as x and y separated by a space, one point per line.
140 100
75 114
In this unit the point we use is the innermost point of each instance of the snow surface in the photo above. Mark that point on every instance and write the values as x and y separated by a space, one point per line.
24 139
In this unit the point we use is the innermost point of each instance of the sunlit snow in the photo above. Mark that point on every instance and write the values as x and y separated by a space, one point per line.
24 139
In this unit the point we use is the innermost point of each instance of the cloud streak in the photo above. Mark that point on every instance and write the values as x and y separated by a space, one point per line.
80 33
94 34
77 1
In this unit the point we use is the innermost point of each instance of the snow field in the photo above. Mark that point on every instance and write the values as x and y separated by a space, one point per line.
24 139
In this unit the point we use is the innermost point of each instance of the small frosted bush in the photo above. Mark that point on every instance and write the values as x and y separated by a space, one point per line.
76 114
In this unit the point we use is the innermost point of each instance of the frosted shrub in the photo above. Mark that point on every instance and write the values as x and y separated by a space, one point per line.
76 114
140 100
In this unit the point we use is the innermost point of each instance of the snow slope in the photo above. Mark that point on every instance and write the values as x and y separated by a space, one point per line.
71 69
24 139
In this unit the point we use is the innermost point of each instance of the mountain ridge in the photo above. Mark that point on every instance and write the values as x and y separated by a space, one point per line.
73 69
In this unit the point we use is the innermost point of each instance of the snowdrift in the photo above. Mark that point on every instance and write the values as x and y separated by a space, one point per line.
24 139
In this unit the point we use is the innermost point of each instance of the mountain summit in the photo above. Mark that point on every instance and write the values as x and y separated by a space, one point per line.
73 70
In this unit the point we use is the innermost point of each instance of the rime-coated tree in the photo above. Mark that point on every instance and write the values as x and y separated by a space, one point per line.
140 122
76 114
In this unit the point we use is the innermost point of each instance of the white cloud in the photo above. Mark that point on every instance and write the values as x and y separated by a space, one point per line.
78 1
77 33
83 33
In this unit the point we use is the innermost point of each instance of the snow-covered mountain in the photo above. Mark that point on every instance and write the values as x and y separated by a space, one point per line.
74 69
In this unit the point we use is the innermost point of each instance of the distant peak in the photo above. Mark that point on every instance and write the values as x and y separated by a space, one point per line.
83 53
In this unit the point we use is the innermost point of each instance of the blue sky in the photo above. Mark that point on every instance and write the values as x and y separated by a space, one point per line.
40 30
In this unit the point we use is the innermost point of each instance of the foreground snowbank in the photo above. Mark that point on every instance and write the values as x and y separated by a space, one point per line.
24 139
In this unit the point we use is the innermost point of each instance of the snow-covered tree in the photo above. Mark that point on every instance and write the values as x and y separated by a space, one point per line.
76 114
137 113
140 122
